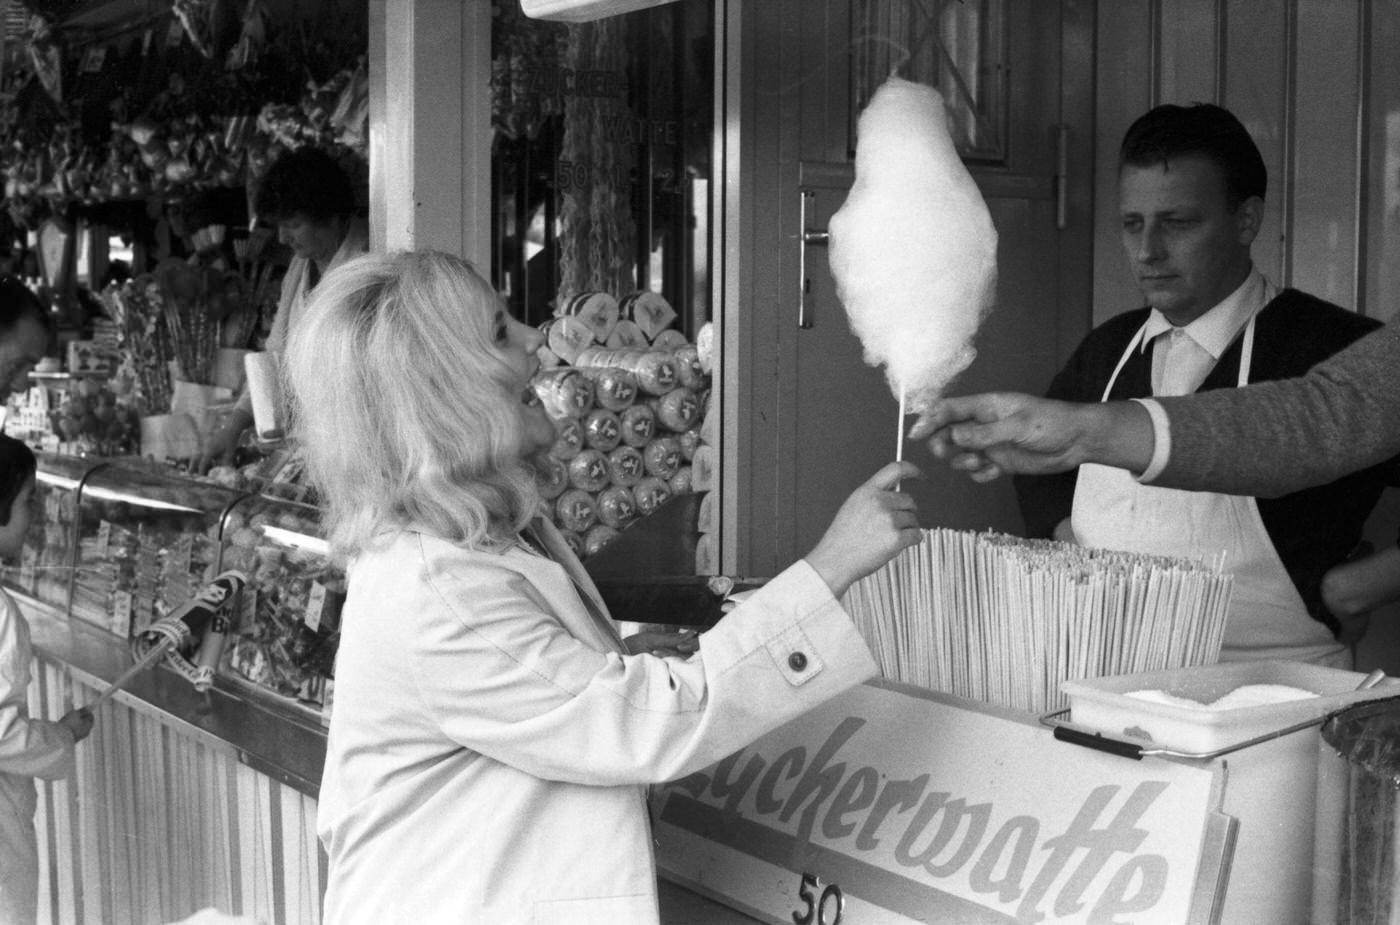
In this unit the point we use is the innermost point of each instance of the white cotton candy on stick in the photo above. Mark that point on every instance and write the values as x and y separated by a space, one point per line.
913 248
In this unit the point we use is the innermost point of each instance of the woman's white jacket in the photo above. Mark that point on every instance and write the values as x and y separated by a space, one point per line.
490 745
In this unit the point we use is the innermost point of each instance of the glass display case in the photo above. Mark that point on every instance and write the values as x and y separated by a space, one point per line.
289 617
46 561
118 545
146 542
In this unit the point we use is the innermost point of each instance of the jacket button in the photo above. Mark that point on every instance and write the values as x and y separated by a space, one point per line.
797 661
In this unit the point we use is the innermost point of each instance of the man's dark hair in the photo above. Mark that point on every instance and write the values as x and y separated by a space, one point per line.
306 181
17 466
18 302
1200 130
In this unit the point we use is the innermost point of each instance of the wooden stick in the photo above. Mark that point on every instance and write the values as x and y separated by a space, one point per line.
146 661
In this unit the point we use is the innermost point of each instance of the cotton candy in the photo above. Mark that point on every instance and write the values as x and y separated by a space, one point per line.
913 249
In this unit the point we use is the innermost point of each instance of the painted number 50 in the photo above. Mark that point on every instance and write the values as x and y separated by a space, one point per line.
818 911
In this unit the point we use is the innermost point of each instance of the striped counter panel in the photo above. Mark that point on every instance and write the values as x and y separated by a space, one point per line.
161 820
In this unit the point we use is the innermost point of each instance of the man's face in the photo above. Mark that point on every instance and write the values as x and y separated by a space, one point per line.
1187 248
19 352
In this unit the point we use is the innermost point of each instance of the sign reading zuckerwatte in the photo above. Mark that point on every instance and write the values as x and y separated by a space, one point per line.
895 805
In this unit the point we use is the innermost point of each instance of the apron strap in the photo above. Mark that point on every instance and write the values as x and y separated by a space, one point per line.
1123 360
1246 356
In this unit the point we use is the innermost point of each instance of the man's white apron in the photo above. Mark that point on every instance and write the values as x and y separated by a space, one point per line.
1267 617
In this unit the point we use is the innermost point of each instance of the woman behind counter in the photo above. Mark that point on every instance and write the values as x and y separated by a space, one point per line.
311 200
491 742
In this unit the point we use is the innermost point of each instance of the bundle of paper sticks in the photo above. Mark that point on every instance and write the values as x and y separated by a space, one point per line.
1004 620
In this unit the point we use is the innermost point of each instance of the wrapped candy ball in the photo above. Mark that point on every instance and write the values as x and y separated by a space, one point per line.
680 483
602 430
575 510
627 333
638 425
589 470
650 493
625 466
614 389
678 409
597 539
552 477
599 311
688 371
662 457
668 339
566 337
705 347
565 393
688 441
616 506
568 439
656 372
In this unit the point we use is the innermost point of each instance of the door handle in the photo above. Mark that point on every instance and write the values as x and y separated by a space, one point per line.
809 236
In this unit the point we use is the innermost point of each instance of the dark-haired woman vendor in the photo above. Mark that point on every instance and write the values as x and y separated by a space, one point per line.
312 202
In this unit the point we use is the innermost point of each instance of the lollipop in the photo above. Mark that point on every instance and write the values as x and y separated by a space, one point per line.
916 302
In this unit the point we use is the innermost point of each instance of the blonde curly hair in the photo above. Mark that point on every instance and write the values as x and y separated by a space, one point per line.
406 412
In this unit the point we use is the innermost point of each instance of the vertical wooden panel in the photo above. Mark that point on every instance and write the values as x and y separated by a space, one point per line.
1188 51
1256 90
1326 103
1382 189
1124 90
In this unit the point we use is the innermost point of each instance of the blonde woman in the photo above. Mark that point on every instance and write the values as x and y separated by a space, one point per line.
491 739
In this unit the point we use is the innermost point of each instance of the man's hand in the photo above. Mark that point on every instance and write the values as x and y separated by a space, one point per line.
997 433
680 644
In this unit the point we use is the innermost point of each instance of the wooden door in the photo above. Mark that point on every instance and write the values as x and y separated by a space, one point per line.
818 420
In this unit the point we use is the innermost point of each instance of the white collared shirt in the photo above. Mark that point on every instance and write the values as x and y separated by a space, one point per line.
1208 336
1198 347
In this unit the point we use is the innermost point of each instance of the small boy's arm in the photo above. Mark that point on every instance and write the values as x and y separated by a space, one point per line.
33 747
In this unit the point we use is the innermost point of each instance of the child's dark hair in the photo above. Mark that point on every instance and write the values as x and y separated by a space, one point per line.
17 467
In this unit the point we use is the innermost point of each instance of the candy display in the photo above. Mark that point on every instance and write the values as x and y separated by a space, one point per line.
628 399
147 541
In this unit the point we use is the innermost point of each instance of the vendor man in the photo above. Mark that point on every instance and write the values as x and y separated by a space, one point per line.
24 333
1191 200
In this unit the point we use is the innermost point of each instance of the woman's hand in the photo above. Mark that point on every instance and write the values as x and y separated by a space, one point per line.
663 644
874 524
218 449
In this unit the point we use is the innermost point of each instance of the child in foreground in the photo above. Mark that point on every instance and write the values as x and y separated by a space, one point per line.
29 748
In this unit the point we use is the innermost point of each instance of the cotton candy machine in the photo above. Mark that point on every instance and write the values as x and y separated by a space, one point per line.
1357 874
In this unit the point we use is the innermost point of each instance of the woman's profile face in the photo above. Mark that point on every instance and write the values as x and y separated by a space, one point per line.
518 344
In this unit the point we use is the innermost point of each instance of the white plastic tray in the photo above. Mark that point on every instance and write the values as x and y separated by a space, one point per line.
1101 703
